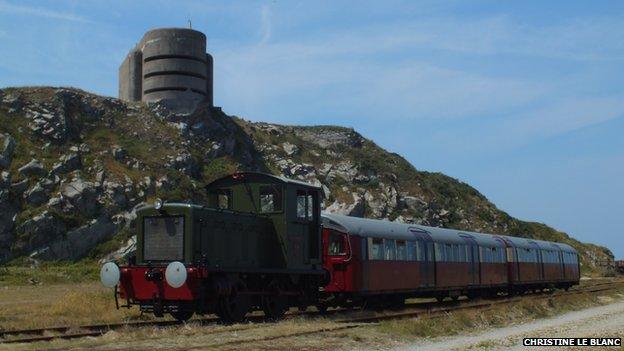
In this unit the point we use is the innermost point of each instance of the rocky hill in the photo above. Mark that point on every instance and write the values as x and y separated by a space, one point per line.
74 166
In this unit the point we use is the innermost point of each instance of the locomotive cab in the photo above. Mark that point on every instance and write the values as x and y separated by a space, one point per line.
256 245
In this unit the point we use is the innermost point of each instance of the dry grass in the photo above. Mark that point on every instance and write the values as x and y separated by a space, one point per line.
498 316
88 303
23 307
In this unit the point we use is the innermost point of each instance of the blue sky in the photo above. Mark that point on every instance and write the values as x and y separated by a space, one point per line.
523 100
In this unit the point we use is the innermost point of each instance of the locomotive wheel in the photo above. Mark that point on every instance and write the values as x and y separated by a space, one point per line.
182 315
274 305
233 308
322 308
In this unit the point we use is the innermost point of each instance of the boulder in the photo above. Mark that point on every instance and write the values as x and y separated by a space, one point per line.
119 153
127 250
77 243
32 168
289 148
13 102
49 184
55 202
412 203
41 230
81 196
5 180
67 163
20 186
36 195
355 209
51 125
6 152
116 194
8 212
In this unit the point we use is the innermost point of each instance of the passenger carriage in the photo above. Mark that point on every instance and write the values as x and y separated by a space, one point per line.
382 262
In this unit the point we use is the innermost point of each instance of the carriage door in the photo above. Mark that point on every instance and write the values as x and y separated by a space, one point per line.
473 259
424 253
562 264
305 235
336 253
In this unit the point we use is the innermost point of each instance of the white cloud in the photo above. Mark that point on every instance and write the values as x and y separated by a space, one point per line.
520 129
265 24
40 12
566 116
386 69
340 71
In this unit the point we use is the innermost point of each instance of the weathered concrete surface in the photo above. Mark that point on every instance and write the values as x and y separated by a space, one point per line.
169 65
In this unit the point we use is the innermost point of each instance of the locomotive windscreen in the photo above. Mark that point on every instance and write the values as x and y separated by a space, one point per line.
163 238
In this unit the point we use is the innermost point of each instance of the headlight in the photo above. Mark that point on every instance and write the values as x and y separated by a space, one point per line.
109 274
158 204
175 274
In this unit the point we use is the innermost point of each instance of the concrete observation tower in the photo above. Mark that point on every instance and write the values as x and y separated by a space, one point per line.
169 65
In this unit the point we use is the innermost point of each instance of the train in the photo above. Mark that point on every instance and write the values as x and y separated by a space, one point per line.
261 243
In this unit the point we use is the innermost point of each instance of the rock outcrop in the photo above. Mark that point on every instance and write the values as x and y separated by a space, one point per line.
75 166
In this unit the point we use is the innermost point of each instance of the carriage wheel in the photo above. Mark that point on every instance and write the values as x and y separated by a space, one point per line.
233 308
275 304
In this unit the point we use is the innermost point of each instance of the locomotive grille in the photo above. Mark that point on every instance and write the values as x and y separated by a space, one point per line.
163 238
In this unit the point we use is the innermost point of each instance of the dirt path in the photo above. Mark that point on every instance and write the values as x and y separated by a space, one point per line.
601 321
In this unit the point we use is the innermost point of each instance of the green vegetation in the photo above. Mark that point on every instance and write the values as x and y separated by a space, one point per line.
20 272
231 144
469 320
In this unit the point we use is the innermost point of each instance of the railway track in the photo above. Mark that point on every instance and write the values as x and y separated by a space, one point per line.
356 322
419 310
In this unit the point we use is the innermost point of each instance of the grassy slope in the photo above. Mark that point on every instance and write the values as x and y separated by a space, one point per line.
151 140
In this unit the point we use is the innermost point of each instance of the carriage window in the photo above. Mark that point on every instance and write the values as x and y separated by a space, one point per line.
377 249
401 250
510 255
336 244
456 253
224 199
439 253
270 199
462 253
495 255
448 253
420 253
390 249
411 251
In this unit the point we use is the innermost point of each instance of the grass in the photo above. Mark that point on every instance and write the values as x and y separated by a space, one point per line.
87 303
499 316
19 273
24 307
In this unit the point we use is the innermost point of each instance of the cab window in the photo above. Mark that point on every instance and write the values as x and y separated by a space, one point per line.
306 203
301 205
270 199
224 199
336 244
